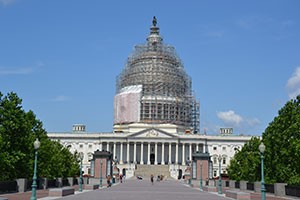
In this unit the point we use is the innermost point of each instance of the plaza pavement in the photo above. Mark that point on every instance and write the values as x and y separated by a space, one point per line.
144 190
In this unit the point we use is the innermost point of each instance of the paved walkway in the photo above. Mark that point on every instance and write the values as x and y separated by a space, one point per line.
144 190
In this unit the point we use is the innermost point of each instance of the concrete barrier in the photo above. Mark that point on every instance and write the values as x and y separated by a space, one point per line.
236 194
91 187
243 185
22 184
279 189
60 192
209 188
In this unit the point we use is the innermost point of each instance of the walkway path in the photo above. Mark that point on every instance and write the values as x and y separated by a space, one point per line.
143 190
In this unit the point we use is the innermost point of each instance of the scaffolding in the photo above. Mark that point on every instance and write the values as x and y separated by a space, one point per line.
166 94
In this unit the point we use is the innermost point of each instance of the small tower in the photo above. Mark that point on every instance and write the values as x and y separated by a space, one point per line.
78 128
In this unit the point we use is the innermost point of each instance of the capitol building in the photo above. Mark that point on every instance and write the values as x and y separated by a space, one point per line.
156 120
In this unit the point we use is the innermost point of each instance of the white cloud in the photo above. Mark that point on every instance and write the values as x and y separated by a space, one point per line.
61 98
7 2
16 71
293 84
294 93
239 123
230 117
253 122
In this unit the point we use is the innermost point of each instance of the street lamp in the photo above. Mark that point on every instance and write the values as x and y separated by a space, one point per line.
262 149
201 187
188 161
101 163
220 181
36 145
80 182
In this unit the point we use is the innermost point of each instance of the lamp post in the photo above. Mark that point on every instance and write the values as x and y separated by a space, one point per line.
36 145
220 181
115 165
262 149
101 163
190 170
201 187
80 182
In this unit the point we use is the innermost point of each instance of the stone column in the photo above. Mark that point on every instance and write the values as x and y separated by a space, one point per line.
170 153
22 184
100 146
197 147
183 153
121 153
128 146
134 152
190 151
107 146
142 153
176 154
155 160
148 156
279 189
115 150
163 153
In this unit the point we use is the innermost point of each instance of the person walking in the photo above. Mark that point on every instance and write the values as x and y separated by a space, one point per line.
151 178
121 178
108 181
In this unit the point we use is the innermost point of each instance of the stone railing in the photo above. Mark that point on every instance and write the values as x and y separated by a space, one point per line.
23 185
277 189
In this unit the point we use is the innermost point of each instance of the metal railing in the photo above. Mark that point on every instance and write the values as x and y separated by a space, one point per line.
292 190
250 186
8 187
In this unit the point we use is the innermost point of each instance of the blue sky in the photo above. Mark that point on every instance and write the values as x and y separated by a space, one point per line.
62 57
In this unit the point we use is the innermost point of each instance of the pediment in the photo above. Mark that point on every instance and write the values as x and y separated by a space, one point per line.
152 133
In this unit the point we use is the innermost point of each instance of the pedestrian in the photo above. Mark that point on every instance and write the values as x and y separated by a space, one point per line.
121 178
108 181
151 178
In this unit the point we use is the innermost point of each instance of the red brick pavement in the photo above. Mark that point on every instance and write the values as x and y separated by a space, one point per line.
27 195
257 196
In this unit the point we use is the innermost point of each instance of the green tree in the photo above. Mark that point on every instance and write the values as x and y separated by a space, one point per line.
282 139
282 155
57 161
18 130
246 163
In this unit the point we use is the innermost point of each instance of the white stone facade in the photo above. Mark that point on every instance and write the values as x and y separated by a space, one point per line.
157 145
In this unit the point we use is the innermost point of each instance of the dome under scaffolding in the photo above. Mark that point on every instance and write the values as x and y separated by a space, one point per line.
154 87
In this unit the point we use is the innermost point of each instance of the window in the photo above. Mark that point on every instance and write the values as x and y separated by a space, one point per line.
224 160
90 146
224 148
215 160
215 173
215 148
90 156
81 146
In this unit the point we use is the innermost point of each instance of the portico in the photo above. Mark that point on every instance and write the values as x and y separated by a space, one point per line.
152 147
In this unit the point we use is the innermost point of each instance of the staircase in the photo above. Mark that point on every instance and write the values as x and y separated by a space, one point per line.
147 170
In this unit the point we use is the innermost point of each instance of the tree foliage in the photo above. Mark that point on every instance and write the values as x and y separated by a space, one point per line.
18 130
282 140
282 154
246 163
